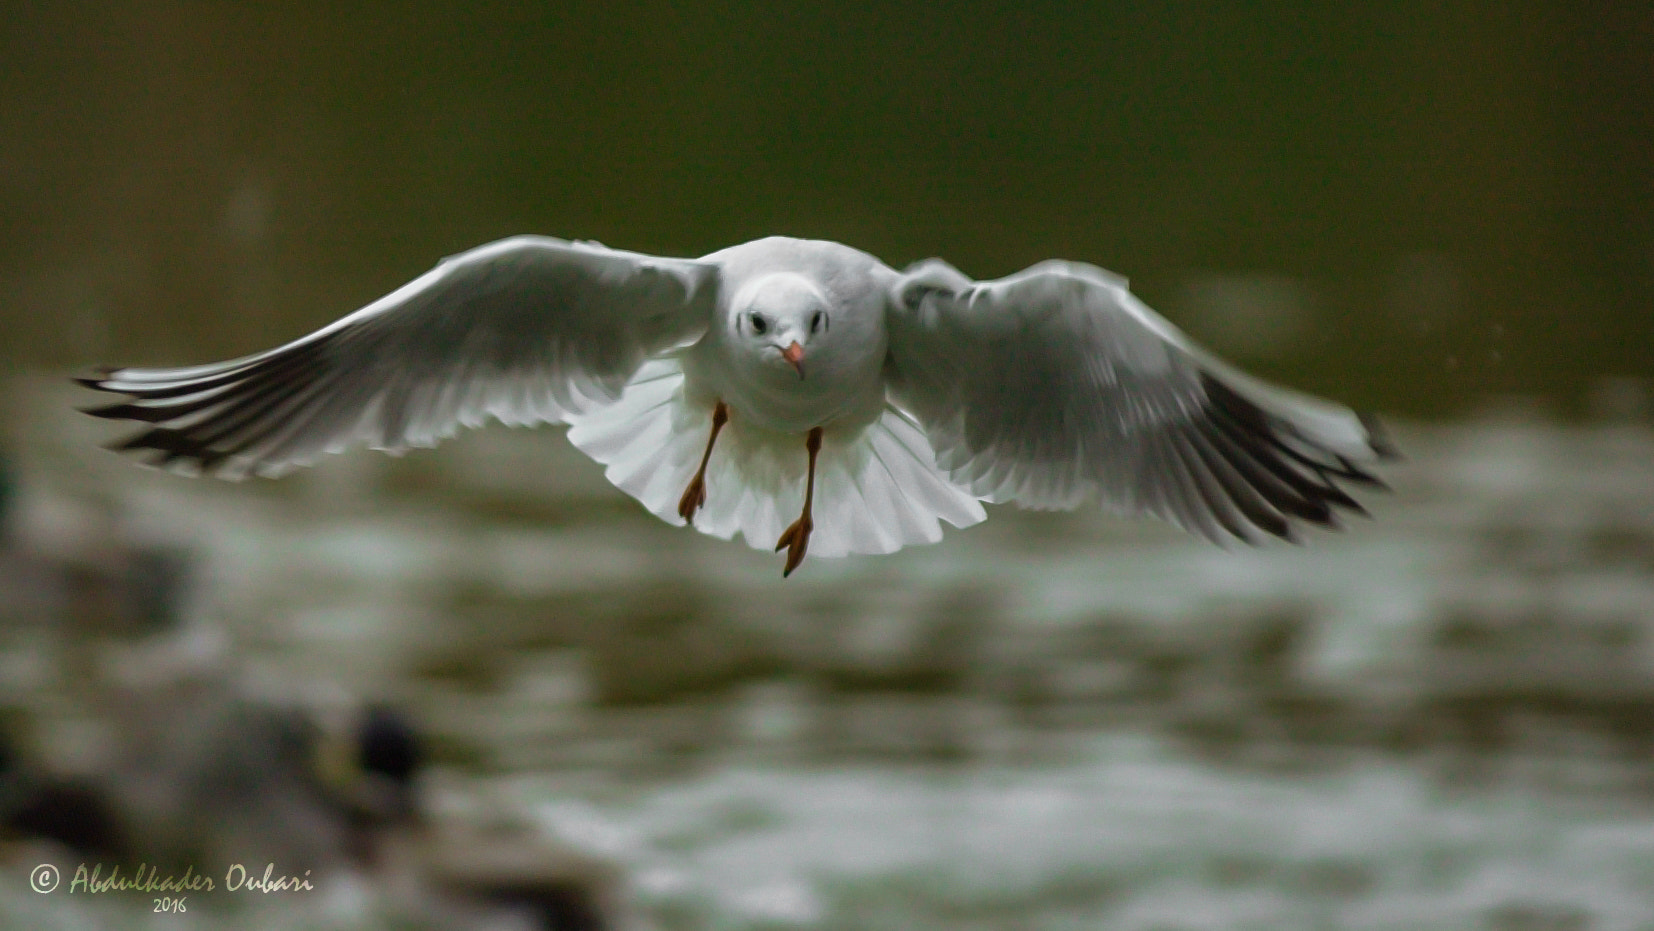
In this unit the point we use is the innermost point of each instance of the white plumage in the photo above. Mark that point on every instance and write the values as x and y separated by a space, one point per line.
925 393
875 493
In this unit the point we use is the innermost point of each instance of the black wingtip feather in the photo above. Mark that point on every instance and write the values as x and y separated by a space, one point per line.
1285 490
1338 497
1255 504
1299 483
124 410
97 378
172 445
1200 480
1357 475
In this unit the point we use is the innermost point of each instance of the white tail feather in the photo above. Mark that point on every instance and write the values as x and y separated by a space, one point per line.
877 489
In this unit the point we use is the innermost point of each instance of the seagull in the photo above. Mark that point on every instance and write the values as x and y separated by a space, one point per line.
785 376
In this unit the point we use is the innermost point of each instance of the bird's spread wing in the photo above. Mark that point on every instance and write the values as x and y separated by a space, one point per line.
1056 385
524 329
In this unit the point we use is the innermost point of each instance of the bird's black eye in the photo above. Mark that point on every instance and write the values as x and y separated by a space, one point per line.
759 325
818 322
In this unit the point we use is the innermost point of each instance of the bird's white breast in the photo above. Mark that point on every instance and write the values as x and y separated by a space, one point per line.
843 383
843 386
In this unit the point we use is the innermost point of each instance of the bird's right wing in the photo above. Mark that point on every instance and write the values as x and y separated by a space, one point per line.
524 329
1056 385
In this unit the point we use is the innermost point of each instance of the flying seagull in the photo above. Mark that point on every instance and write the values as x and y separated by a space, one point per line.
784 376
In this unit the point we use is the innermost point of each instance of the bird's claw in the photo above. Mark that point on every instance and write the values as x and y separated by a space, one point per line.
693 497
797 540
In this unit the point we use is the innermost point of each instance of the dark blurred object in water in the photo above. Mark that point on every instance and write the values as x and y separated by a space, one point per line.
374 790
209 772
387 745
74 813
78 567
525 874
102 587
126 590
461 872
449 874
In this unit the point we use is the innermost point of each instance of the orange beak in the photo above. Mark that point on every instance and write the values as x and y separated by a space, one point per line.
795 355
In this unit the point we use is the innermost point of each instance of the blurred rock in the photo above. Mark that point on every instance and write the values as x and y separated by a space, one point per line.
75 814
499 872
448 872
85 576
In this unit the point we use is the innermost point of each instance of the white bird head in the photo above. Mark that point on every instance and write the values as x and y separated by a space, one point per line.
781 318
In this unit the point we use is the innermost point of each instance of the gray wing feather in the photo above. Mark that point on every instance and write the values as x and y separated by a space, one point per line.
1056 386
524 329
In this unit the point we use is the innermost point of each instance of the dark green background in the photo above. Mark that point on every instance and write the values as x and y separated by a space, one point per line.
1464 190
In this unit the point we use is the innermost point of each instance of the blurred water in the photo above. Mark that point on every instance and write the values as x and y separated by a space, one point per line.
1441 718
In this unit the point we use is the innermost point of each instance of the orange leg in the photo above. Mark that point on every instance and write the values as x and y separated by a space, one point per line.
797 537
695 495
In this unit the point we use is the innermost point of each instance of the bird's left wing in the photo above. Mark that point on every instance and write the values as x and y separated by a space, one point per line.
524 329
1056 385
